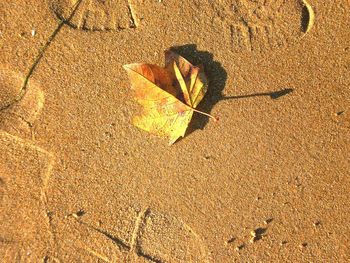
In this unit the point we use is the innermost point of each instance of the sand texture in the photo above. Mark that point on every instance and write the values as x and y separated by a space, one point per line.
269 182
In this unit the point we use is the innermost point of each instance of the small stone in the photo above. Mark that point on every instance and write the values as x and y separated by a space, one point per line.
33 32
240 247
80 213
339 113
317 223
303 245
76 215
230 240
257 234
283 242
268 221
253 233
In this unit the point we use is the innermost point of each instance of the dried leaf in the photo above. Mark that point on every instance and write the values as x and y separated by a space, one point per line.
168 95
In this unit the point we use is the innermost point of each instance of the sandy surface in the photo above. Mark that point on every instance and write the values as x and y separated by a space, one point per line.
79 183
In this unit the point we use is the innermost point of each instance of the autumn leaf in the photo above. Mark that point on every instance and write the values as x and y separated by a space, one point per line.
168 95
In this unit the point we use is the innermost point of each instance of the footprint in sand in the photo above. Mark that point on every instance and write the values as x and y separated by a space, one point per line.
24 171
168 239
143 236
259 25
10 86
17 115
137 236
96 15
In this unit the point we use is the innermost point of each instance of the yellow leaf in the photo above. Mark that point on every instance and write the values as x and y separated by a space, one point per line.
168 95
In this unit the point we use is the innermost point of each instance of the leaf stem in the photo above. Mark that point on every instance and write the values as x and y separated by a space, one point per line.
206 114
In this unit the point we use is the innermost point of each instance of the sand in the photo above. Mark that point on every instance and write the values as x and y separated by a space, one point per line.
269 182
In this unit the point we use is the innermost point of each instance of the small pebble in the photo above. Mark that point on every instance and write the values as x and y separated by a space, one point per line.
268 221
303 245
317 223
80 213
33 32
240 247
253 233
230 240
257 234
339 113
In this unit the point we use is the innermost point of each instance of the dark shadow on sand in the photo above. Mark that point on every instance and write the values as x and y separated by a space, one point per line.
217 77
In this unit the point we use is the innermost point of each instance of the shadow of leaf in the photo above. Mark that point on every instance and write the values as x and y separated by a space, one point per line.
217 77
